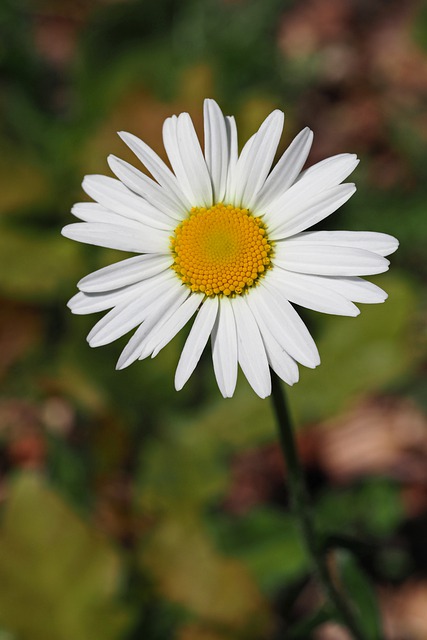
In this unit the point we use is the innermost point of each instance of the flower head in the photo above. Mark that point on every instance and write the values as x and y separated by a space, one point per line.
222 237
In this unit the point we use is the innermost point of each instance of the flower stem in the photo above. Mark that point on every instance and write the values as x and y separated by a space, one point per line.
301 507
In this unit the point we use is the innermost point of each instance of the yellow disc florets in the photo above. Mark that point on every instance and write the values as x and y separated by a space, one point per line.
220 250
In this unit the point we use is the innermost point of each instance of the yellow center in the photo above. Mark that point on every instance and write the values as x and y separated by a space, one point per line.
220 250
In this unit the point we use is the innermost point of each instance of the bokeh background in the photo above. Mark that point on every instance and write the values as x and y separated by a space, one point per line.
131 511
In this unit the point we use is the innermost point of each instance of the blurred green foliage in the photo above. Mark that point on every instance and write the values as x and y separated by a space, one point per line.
121 515
57 570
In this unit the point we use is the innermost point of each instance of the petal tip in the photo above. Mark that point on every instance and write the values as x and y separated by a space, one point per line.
126 136
394 245
122 363
179 384
67 231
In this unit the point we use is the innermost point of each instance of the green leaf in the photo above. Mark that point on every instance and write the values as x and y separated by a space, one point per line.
269 544
361 594
60 580
303 629
376 508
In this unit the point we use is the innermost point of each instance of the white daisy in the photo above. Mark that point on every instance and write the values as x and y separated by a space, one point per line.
222 237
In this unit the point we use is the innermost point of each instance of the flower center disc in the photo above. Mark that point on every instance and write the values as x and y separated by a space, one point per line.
220 250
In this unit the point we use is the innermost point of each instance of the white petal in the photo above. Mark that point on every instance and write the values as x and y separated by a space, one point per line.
380 243
176 322
283 322
224 348
83 303
289 218
233 157
137 240
170 143
327 173
160 310
279 360
158 169
119 321
125 272
187 160
255 162
307 291
352 288
313 182
216 148
145 187
132 312
285 172
250 349
173 311
95 212
327 260
196 341
194 161
111 193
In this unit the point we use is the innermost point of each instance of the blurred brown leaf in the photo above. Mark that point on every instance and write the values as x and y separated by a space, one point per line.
255 475
309 25
20 330
331 631
381 435
22 433
405 611
55 37
15 172
199 632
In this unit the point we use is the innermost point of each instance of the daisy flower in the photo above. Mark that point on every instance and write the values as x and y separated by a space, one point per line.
222 238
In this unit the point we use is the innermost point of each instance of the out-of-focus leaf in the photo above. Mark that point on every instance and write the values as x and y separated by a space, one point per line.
68 470
303 629
360 592
254 111
60 580
244 421
20 329
419 26
376 508
84 390
401 214
197 632
143 115
187 467
269 544
21 184
179 477
405 609
190 571
378 436
360 354
37 267
213 31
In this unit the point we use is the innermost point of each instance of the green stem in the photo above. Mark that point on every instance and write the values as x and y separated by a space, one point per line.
301 507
